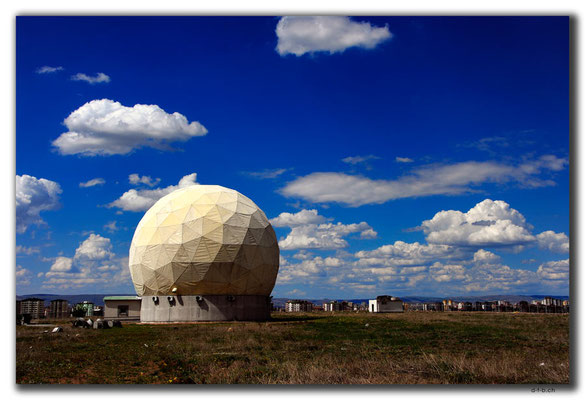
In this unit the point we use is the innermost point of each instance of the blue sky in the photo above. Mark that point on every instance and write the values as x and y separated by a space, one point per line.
394 155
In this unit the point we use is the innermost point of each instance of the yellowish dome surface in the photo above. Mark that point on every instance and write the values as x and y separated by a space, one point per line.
204 240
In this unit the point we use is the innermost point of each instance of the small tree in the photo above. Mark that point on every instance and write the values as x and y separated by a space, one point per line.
78 311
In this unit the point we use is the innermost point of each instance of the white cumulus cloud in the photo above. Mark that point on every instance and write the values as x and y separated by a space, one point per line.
93 264
554 270
142 200
136 179
557 242
456 265
92 80
305 34
446 273
21 271
62 264
489 223
497 277
106 127
302 217
309 231
94 248
323 236
407 254
33 196
483 256
23 276
92 182
307 268
27 250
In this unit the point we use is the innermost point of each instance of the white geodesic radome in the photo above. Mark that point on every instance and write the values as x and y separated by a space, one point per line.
204 240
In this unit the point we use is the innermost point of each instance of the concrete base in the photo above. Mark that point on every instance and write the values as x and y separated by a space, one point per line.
204 308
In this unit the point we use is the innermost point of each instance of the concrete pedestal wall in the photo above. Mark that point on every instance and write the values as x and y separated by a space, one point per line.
204 308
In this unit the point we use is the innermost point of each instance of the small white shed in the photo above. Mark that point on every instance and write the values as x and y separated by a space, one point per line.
386 304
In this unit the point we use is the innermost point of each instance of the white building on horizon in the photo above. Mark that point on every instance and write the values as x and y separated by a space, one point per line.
386 304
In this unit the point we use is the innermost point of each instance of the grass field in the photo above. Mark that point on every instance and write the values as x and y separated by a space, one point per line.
413 347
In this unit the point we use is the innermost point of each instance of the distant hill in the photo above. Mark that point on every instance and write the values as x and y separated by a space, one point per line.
98 299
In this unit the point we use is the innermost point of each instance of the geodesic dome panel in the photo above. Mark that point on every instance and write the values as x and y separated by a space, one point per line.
204 240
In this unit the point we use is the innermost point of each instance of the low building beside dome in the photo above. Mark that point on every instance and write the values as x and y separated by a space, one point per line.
122 307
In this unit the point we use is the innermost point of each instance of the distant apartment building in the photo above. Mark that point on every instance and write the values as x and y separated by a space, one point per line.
436 306
332 306
59 308
547 305
549 301
464 306
502 306
522 306
449 305
32 306
386 304
298 306
335 305
413 306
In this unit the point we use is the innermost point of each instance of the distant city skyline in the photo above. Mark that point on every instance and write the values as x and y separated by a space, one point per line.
392 155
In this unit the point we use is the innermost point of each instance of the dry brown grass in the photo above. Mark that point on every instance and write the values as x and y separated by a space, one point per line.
308 349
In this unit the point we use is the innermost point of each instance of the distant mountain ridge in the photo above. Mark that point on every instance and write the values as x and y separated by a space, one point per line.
98 299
